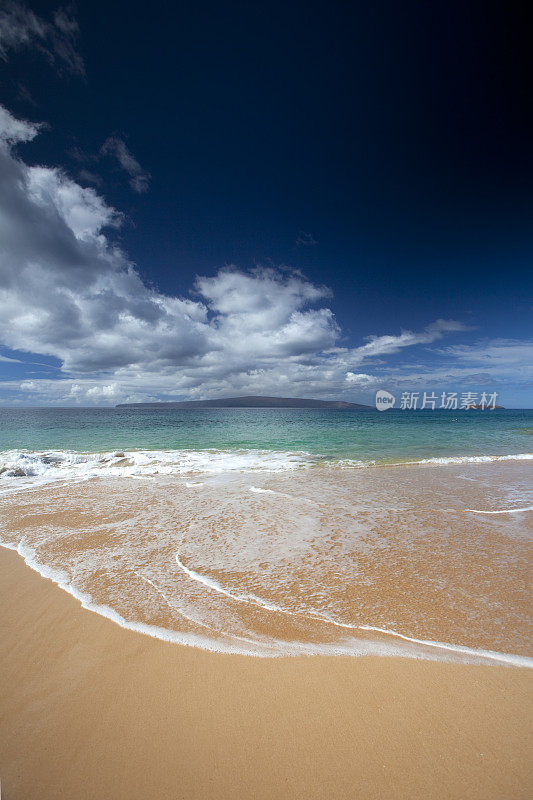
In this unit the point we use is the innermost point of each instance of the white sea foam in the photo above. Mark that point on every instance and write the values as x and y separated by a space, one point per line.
351 463
502 511
261 648
21 469
474 459
216 586
190 639
198 605
491 655
470 654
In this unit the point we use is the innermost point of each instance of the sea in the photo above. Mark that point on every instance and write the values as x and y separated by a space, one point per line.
283 532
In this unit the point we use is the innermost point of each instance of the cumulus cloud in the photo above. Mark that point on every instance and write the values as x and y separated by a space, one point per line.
21 28
360 379
139 178
68 291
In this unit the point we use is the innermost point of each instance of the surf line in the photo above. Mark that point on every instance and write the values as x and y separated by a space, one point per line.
195 621
504 511
217 587
491 655
172 606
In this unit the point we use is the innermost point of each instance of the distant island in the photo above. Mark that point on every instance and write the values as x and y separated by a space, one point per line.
252 401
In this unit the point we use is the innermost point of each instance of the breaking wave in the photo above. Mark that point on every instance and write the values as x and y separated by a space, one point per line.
27 468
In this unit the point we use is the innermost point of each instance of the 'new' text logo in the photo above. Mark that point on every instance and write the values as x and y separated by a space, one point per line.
384 400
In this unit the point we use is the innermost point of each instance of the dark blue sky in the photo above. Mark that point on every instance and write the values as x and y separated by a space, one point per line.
384 149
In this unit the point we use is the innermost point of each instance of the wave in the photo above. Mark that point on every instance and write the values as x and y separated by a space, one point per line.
216 586
27 468
264 647
436 460
24 468
474 459
86 601
468 653
503 510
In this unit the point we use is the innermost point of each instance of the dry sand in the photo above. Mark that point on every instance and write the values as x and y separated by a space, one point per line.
90 710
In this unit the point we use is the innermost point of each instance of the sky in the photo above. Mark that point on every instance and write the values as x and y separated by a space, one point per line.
300 199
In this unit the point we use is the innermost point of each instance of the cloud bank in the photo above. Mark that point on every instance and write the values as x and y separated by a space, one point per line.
67 291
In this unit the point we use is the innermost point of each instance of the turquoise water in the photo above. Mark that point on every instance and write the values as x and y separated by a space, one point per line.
366 436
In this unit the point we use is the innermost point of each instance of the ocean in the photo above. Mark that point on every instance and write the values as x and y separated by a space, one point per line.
272 532
361 436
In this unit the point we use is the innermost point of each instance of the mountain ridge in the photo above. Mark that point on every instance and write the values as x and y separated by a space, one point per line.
251 401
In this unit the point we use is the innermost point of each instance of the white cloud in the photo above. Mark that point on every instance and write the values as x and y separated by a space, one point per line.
360 379
489 364
139 177
14 130
495 353
21 28
67 291
383 345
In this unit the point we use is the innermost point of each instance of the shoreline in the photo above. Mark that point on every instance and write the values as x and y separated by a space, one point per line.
424 649
91 709
237 564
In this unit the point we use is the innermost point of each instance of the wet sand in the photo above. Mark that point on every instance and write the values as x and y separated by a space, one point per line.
320 560
88 709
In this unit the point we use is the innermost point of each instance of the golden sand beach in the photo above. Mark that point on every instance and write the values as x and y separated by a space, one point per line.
90 710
